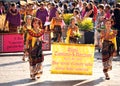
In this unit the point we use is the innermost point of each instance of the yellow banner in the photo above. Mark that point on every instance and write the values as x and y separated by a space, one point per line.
72 59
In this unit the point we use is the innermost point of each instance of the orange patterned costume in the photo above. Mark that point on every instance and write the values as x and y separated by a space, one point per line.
56 27
71 34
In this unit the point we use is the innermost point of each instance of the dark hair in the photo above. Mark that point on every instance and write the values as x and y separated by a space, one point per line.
76 11
41 4
84 3
72 19
107 20
108 7
60 4
65 6
39 22
59 12
101 6
13 4
73 4
52 4
92 1
91 6
118 5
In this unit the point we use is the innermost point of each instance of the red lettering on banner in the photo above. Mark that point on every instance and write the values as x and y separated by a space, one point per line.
74 54
55 63
60 68
72 50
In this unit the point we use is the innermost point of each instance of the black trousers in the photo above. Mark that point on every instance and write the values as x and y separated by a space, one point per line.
118 44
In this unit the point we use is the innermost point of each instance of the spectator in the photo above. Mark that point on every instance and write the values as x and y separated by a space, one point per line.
56 26
100 17
42 14
95 11
26 26
13 17
2 8
107 12
83 11
72 7
117 24
72 30
53 10
65 8
90 10
76 15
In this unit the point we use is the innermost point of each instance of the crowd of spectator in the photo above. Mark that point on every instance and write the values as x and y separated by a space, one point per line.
98 10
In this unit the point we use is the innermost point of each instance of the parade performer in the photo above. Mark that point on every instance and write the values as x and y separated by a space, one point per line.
42 14
34 48
108 45
52 12
23 12
56 26
73 30
13 17
26 26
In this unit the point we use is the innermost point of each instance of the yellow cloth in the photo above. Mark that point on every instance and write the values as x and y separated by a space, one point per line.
71 32
68 35
29 37
113 41
55 21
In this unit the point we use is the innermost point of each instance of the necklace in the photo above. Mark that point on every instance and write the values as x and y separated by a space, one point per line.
34 34
13 12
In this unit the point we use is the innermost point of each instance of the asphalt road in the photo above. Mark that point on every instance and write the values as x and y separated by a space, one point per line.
15 72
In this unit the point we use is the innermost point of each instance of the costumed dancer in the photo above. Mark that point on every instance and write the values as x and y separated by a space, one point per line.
56 26
72 31
26 26
108 45
34 48
13 17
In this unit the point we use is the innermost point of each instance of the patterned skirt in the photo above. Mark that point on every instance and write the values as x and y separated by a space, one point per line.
57 33
12 28
36 71
73 39
107 55
35 59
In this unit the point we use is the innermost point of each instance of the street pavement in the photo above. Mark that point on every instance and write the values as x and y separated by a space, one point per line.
15 72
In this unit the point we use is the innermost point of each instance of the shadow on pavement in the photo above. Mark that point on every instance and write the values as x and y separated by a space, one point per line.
47 65
58 83
12 63
13 83
91 83
69 83
18 54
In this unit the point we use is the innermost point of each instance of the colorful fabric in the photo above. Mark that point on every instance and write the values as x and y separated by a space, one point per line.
13 20
56 25
57 33
36 71
42 14
56 21
52 13
71 34
107 55
35 53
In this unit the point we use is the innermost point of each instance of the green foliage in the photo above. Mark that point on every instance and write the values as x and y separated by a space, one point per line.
118 0
66 18
101 28
77 35
86 24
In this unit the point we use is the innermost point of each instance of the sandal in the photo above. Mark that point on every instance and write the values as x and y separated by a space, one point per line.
107 76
